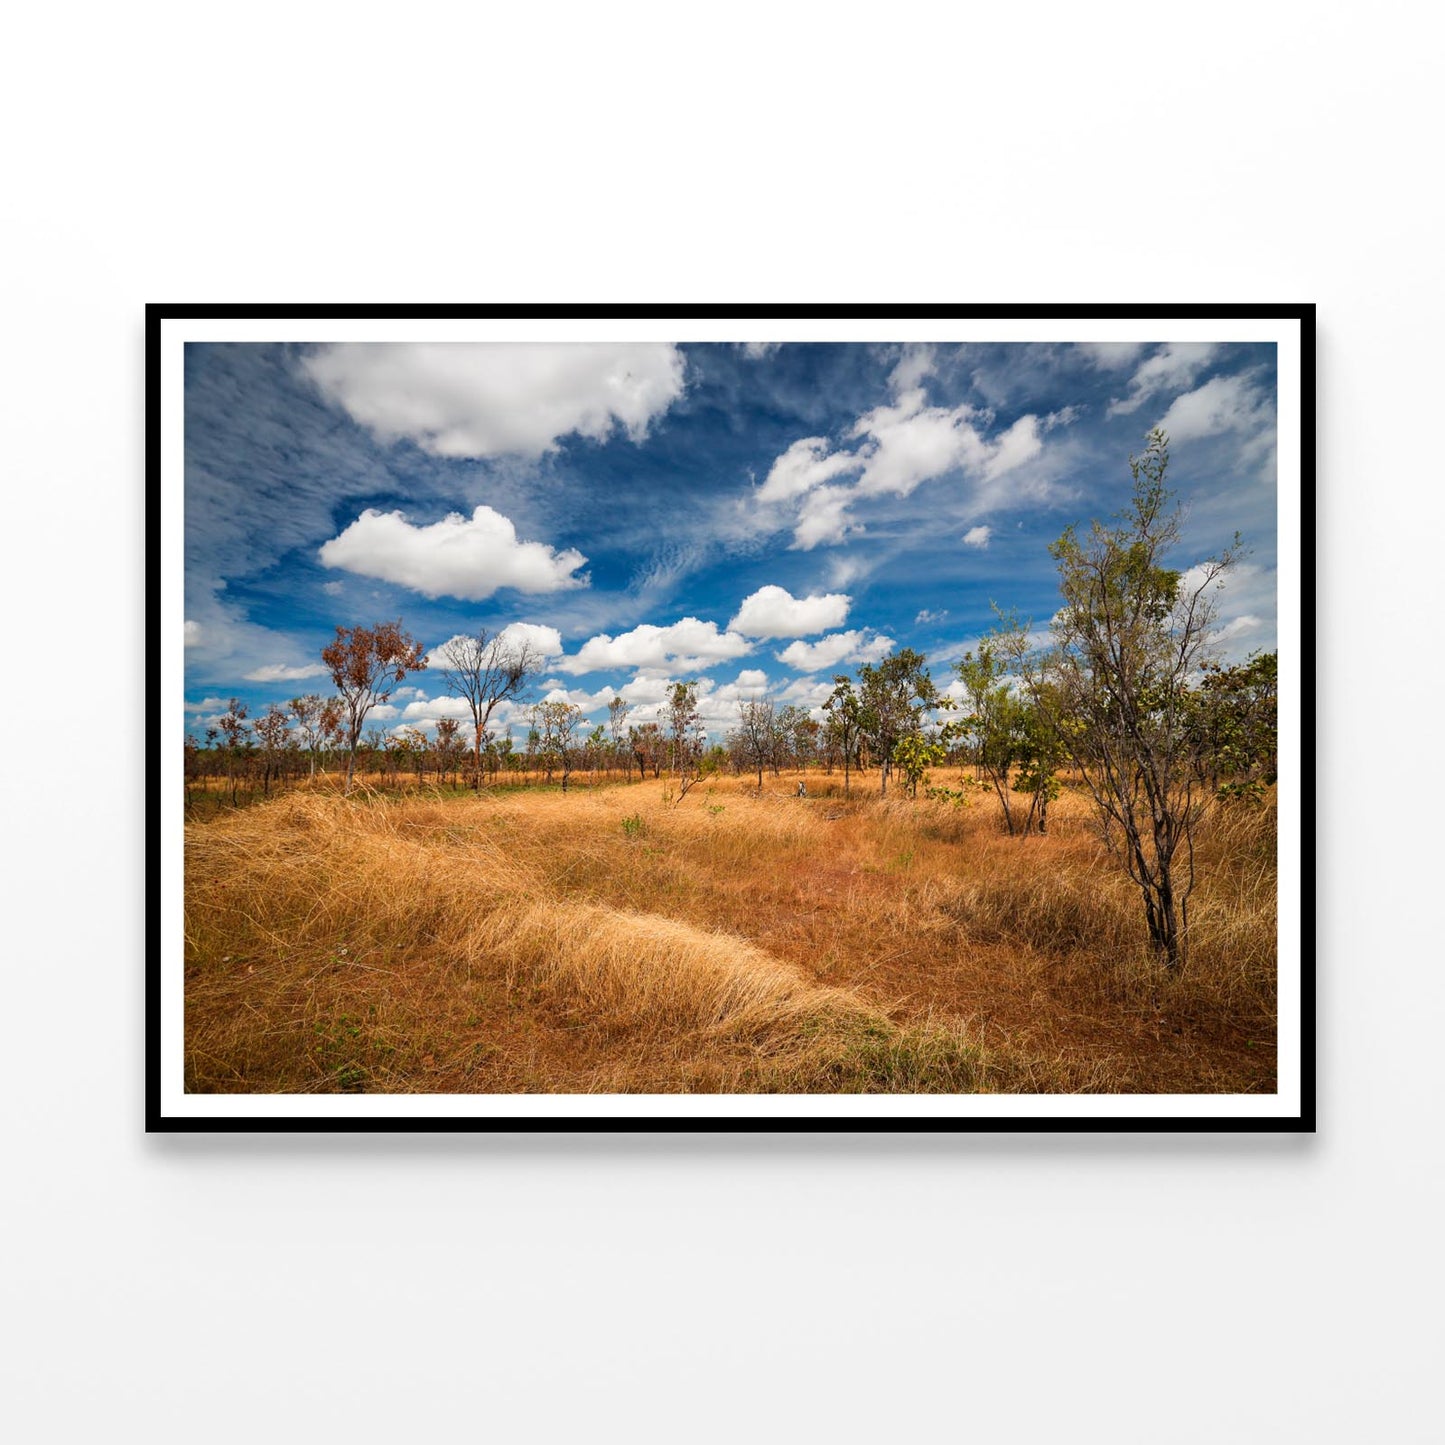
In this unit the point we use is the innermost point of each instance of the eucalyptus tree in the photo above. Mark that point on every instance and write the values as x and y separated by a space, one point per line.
754 742
484 670
617 710
555 724
308 713
685 736
235 729
271 729
845 722
995 721
448 747
896 694
365 664
1131 637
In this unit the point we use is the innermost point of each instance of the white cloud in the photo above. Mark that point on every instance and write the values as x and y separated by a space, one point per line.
756 350
1173 366
774 612
1223 403
489 400
824 518
194 636
683 646
752 677
462 557
854 646
927 616
914 367
898 446
333 589
805 465
1111 355
1019 444
909 443
278 672
216 705
432 708
544 641
977 536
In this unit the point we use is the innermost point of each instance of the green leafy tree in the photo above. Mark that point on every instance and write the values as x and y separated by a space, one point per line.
1130 636
995 721
1234 727
896 696
846 719
913 755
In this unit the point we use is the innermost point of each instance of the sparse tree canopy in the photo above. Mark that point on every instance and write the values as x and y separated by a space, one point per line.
365 664
896 694
485 670
1131 638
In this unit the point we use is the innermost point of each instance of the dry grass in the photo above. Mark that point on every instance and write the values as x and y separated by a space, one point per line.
606 941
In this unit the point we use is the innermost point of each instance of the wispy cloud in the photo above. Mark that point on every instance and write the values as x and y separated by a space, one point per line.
1172 366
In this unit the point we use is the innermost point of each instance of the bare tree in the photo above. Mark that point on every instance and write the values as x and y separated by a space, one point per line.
309 723
365 664
756 739
685 736
449 747
484 670
555 724
617 711
234 726
271 729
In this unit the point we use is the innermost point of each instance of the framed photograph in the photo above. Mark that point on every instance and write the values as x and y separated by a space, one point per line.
706 717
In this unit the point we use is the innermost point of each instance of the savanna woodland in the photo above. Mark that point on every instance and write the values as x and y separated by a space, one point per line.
1040 858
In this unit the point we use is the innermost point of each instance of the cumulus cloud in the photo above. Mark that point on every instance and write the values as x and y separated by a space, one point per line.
898 446
1173 366
806 464
977 536
909 442
685 646
824 517
1223 403
431 709
543 640
194 635
278 672
489 400
752 677
467 557
854 646
774 612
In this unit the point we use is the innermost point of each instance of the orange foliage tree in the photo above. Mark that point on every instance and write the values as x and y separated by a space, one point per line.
365 664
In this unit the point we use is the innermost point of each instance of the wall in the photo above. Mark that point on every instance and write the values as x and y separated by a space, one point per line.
1090 1289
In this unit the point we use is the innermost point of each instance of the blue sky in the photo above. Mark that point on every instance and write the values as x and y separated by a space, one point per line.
756 516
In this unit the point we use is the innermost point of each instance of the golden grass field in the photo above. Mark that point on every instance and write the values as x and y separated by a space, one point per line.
609 941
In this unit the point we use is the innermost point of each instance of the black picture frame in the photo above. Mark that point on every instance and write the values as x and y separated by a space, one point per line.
161 1112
